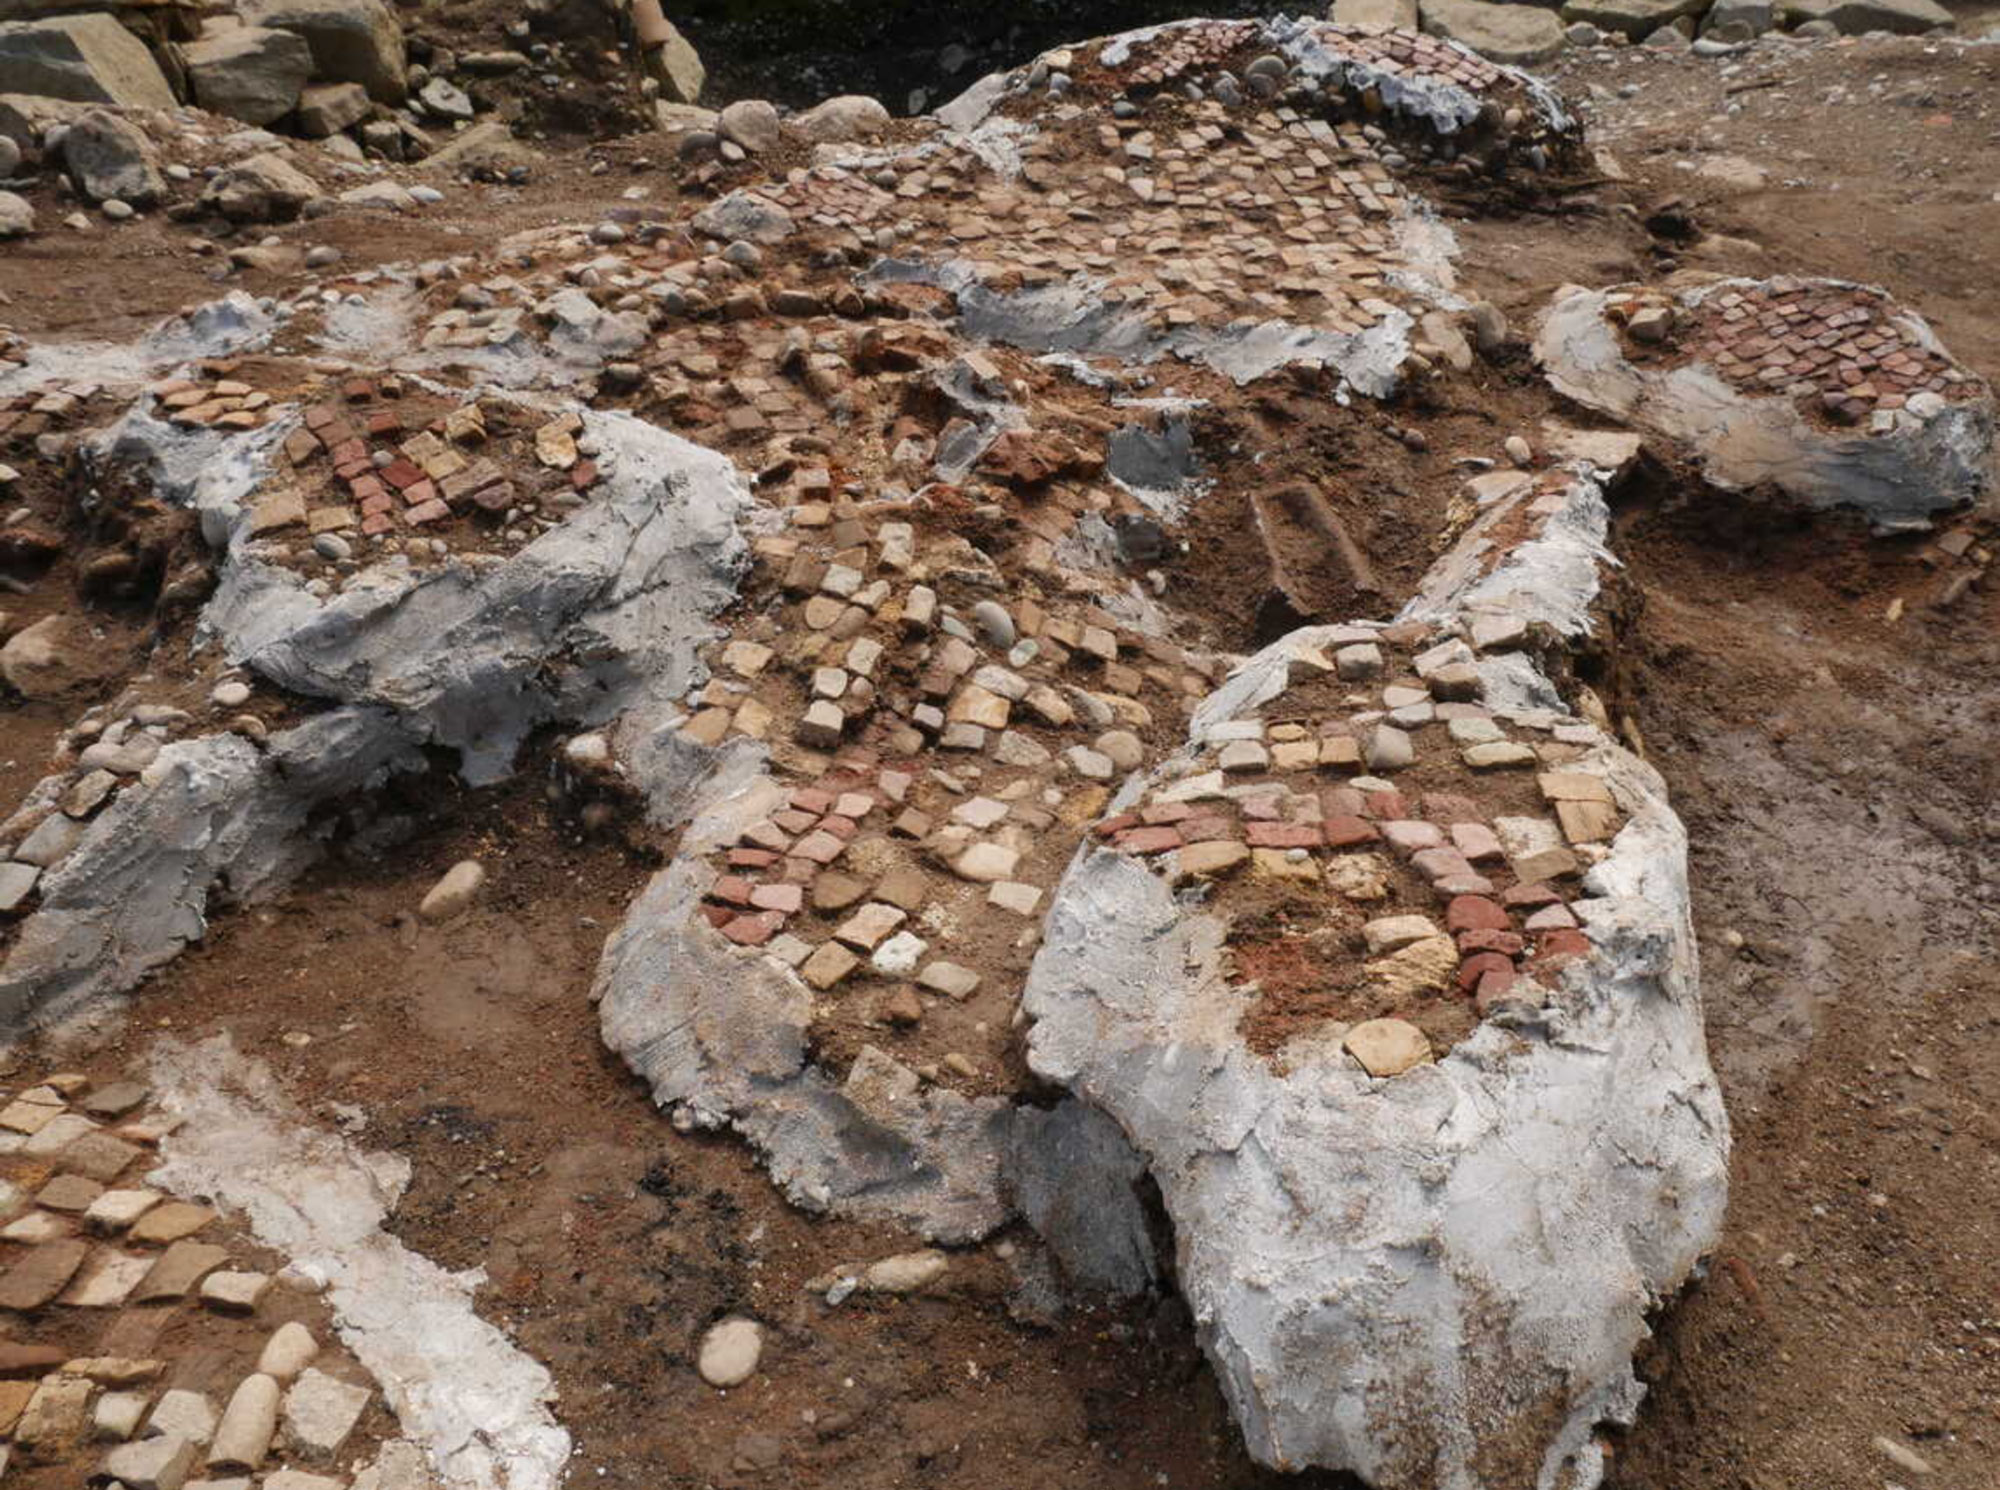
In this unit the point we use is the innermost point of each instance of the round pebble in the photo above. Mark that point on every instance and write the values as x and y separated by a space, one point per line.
993 621
233 694
333 546
115 210
730 1351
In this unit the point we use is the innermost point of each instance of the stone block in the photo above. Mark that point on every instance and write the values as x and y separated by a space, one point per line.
84 58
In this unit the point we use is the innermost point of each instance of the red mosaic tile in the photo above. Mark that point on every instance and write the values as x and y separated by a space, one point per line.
1475 913
1478 965
755 929
1283 835
1349 832
1506 943
1155 840
402 474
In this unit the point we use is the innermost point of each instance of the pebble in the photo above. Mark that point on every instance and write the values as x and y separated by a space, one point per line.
322 256
1519 451
730 1352
454 891
289 1351
588 751
906 1272
117 211
994 623
333 546
1905 1459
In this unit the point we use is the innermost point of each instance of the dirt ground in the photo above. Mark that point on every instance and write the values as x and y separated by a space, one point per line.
1834 768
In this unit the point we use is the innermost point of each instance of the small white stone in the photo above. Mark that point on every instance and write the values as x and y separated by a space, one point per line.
116 1416
454 891
898 957
730 1352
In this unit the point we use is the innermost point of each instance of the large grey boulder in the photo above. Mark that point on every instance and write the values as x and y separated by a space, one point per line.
85 58
1856 17
352 41
264 188
107 157
1500 33
252 73
1637 19
328 108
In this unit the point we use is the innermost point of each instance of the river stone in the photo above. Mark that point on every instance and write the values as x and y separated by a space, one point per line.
730 1351
445 99
252 73
16 216
906 1272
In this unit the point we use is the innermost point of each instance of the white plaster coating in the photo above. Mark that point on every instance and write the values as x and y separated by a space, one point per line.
457 1385
1898 479
236 323
602 615
1436 1281
719 1034
1551 580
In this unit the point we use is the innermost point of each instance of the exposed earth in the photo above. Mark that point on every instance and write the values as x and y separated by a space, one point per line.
1817 697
